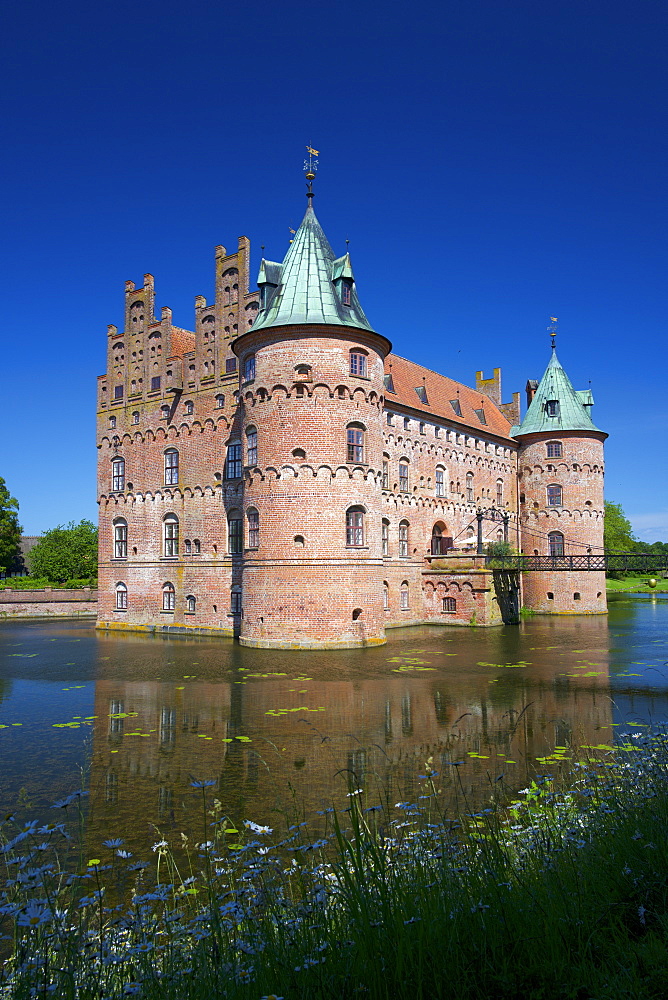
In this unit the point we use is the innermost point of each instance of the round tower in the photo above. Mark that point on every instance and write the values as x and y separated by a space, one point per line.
560 472
311 395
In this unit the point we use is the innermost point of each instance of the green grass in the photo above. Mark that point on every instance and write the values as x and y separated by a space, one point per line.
555 896
636 585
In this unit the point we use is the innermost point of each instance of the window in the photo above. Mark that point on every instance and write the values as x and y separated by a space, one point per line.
118 474
155 383
554 496
554 449
576 596
355 443
118 392
190 408
403 477
440 482
234 534
249 368
171 528
346 293
449 604
251 446
403 538
422 428
354 526
404 595
499 492
552 407
253 528
556 542
220 401
230 366
171 467
112 423
135 417
358 363
120 539
407 423
385 537
386 474
456 406
390 419
191 603
386 597
469 487
235 601
121 597
164 413
168 597
233 463
197 548
187 547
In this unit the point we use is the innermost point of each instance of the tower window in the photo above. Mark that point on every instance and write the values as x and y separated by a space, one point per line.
449 605
404 596
554 449
121 597
403 477
249 368
171 537
118 475
469 487
403 539
190 407
235 601
554 496
191 603
499 492
171 467
346 293
385 537
251 446
234 535
355 443
155 383
168 597
253 528
556 543
233 463
358 363
552 407
135 417
220 402
118 392
386 474
440 481
230 366
354 526
120 539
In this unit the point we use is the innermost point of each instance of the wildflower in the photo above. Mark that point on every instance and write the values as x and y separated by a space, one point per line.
357 791
641 914
33 915
123 854
194 783
159 846
116 842
271 996
255 828
137 866
131 988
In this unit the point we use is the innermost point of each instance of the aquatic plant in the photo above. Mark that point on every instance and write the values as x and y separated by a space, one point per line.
554 894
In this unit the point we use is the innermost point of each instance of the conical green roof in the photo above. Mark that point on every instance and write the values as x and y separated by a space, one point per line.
310 286
571 412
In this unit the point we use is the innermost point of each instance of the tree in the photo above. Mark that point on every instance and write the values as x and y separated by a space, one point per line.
10 529
617 531
68 552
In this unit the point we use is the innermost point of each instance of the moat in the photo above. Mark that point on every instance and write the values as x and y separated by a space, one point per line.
285 734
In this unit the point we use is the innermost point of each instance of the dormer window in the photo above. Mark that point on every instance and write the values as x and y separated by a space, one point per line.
552 407
456 406
346 293
389 384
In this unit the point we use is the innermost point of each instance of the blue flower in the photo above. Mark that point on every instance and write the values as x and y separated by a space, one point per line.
194 783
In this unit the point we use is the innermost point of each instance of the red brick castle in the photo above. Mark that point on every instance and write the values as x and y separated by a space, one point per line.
280 476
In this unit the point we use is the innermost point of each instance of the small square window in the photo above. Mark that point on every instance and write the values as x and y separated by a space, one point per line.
155 383
230 365
118 392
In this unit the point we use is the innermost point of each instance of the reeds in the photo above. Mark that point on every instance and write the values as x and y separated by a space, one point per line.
553 895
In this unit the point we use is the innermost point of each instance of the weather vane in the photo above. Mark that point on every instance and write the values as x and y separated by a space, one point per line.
311 168
552 329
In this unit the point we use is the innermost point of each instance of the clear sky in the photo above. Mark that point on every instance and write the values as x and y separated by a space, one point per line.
492 163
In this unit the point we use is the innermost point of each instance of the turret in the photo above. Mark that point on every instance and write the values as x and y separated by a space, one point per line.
311 391
560 464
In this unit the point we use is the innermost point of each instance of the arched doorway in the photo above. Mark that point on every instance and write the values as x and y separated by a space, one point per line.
441 542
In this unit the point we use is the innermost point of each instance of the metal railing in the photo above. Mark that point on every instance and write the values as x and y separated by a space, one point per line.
606 562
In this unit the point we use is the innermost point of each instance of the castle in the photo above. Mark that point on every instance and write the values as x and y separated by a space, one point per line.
280 476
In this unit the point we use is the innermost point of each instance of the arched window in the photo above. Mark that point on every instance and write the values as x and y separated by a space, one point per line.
112 423
555 540
121 597
355 443
440 481
135 417
190 407
386 472
554 449
469 487
120 538
249 368
403 475
234 533
171 467
253 527
171 529
187 547
251 446
554 495
235 601
385 537
358 363
386 595
196 546
168 597
403 538
233 461
499 492
191 603
220 401
404 595
118 474
355 526
449 605
164 412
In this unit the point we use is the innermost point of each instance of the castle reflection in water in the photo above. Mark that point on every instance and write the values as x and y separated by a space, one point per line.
168 712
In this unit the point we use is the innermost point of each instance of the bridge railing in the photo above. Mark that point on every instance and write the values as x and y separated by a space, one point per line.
620 562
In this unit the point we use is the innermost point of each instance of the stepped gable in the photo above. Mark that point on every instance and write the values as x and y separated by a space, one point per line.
572 411
307 288
407 377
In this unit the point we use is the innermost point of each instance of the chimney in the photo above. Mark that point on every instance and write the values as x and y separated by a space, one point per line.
532 385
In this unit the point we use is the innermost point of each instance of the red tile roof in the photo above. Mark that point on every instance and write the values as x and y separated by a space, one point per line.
407 377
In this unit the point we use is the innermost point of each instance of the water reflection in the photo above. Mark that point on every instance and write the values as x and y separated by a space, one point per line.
294 732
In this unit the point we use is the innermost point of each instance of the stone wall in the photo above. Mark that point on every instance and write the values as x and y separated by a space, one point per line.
48 603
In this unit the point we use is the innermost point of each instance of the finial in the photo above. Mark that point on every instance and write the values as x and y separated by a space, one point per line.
552 330
310 169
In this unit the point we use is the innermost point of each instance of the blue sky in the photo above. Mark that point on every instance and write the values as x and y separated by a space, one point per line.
491 163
